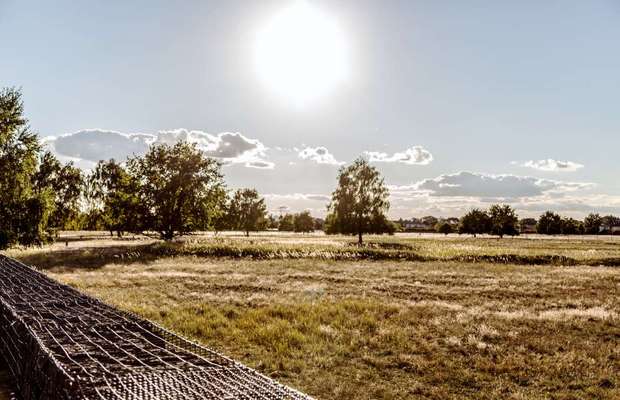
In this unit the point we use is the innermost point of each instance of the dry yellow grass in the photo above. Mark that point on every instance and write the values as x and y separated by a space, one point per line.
378 329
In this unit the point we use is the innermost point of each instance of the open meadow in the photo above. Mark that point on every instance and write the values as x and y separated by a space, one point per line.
405 317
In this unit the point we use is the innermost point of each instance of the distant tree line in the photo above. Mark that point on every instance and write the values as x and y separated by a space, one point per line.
502 220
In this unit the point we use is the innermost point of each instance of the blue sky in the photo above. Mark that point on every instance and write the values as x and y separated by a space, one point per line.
513 102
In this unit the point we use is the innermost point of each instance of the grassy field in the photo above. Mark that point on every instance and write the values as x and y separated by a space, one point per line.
406 317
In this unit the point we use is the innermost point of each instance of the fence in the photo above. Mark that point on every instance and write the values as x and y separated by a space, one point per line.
61 344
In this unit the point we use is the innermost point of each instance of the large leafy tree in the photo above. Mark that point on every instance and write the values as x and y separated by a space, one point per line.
504 220
475 222
179 187
64 183
114 198
549 223
304 222
287 223
247 211
360 202
23 212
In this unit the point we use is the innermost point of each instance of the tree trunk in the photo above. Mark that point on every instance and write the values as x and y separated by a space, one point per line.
247 233
359 238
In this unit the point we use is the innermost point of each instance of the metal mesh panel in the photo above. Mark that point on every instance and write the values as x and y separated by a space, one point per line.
61 344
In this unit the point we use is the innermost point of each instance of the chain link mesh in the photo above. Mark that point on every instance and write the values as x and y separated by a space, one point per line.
61 344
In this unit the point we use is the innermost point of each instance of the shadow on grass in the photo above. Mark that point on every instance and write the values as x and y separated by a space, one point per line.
89 257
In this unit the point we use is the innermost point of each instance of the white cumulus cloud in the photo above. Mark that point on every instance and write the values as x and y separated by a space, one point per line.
471 184
416 155
92 145
319 155
551 165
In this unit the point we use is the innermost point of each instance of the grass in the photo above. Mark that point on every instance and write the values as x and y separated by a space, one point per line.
356 328
95 251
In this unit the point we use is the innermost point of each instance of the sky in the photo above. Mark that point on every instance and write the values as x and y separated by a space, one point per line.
458 104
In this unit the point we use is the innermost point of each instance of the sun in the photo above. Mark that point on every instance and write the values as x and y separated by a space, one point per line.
301 54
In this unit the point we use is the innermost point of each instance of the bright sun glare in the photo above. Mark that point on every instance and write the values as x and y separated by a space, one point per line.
301 54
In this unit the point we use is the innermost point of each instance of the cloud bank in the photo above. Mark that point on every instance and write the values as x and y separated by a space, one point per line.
470 184
92 145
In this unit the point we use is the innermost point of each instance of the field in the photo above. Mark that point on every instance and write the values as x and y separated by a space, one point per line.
405 317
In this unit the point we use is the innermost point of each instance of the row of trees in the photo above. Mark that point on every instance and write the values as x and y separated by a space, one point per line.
502 220
302 222
171 190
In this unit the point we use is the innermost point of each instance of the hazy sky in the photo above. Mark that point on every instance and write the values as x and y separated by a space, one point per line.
459 104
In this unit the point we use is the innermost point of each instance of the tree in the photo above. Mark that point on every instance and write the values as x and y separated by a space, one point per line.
443 227
304 222
504 220
287 223
115 196
571 226
247 211
592 224
180 188
475 222
23 212
608 222
272 222
360 202
549 223
221 219
64 183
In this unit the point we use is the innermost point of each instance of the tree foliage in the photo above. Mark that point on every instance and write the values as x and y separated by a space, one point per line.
592 224
504 220
24 213
549 223
360 202
64 183
571 226
287 223
115 198
304 222
475 222
443 227
179 188
247 211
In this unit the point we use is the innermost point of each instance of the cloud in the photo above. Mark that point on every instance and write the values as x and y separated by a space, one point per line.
296 202
96 144
551 165
299 196
416 155
470 184
319 155
260 164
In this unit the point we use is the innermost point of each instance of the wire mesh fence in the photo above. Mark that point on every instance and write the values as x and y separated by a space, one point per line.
61 344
